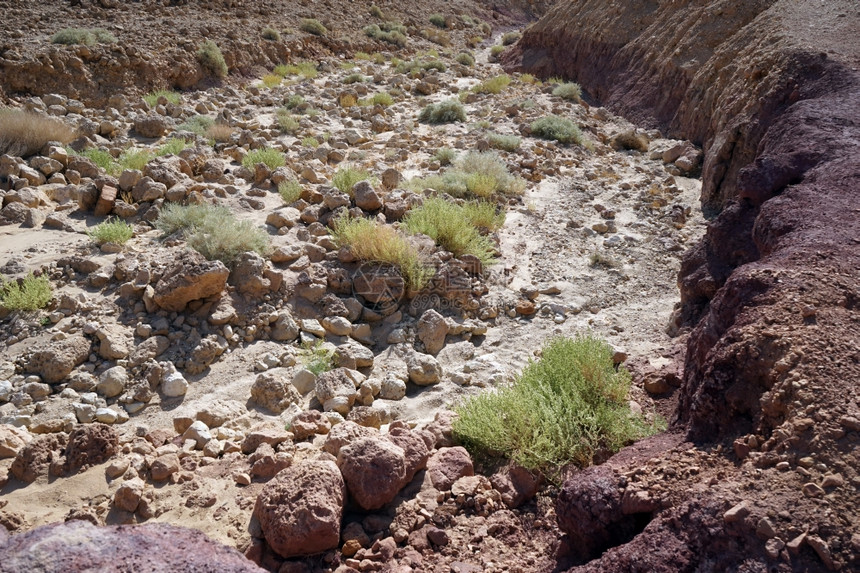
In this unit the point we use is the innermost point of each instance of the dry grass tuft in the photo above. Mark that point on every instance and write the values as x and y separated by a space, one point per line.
23 133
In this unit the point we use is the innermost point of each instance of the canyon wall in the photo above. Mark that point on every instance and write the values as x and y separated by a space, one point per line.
771 90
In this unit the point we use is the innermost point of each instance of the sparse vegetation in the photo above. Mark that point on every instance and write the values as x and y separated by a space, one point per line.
173 146
436 36
219 133
271 81
30 293
445 155
271 34
286 121
390 32
111 231
290 190
486 216
272 158
504 142
509 38
198 124
476 174
211 59
23 133
603 259
319 358
83 36
354 79
312 26
466 59
309 141
307 70
451 227
496 51
557 128
152 98
133 159
347 100
437 20
570 91
562 408
493 85
415 66
213 231
376 12
372 241
449 111
382 98
345 177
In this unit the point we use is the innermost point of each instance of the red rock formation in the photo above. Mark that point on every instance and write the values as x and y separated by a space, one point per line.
771 90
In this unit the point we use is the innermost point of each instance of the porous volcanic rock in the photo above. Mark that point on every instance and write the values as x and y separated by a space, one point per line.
374 470
190 277
81 546
301 508
56 360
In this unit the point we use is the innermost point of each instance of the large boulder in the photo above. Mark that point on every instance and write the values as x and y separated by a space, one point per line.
374 470
190 277
448 465
89 445
81 546
346 433
56 360
35 458
274 392
431 330
300 509
423 369
414 448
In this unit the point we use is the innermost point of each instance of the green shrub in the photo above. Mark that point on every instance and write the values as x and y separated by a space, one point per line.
271 34
307 70
393 36
496 51
372 241
484 215
436 36
211 59
312 26
319 358
310 142
445 155
133 159
271 81
23 133
569 91
489 163
272 158
376 12
466 59
86 37
31 293
510 38
558 129
493 85
198 124
102 159
173 146
173 97
449 111
561 409
286 121
345 177
213 231
438 20
290 191
476 174
111 231
354 79
450 226
382 98
504 142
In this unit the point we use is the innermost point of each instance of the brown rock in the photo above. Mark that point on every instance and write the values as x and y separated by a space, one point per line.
127 496
516 484
164 466
89 445
35 458
431 330
191 277
374 470
300 510
56 360
414 448
12 439
448 465
346 433
274 391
